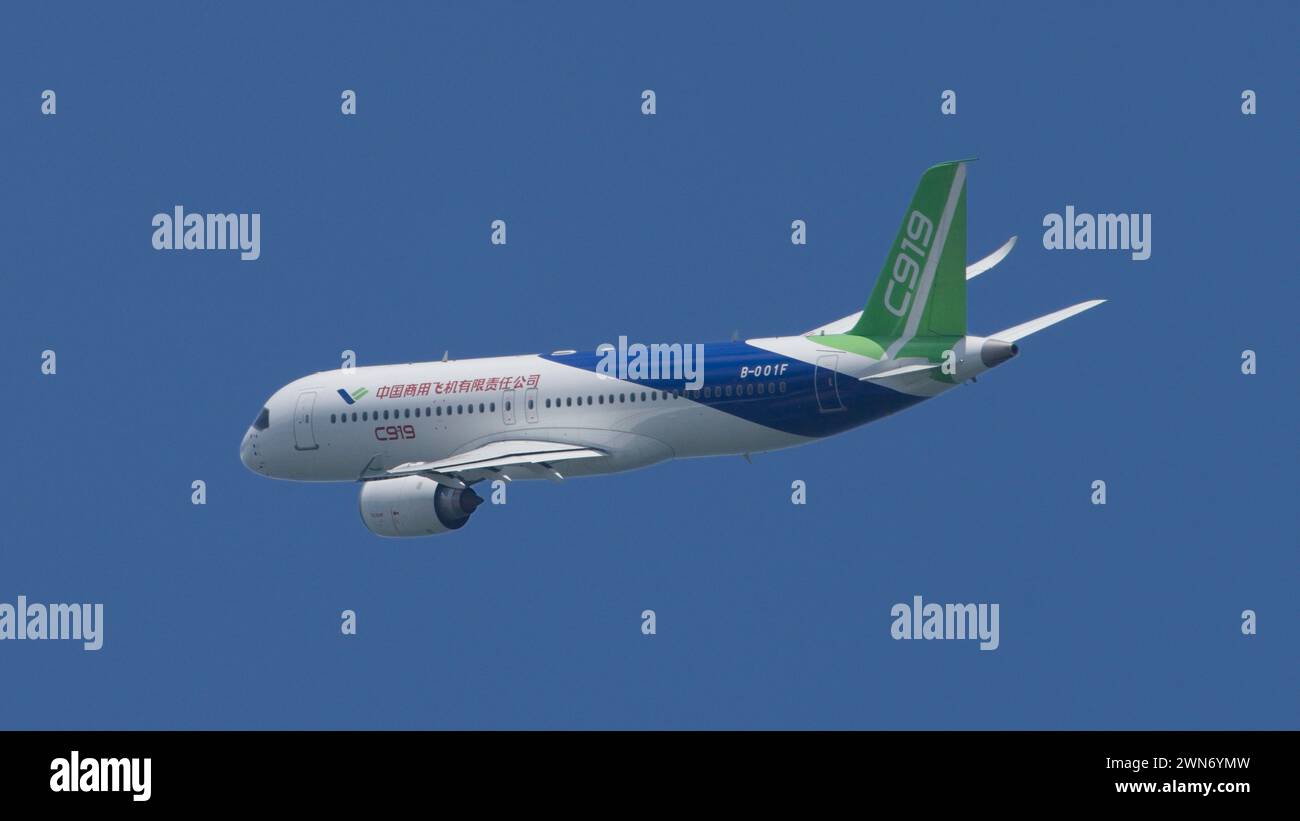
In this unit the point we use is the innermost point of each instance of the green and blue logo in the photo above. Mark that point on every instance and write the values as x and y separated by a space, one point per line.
351 398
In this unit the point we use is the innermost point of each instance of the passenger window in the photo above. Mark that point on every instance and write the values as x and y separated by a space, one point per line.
471 407
579 401
530 404
782 386
642 396
600 400
568 401
417 413
622 397
589 400
354 416
749 389
331 418
439 410
728 389
548 403
480 407
492 406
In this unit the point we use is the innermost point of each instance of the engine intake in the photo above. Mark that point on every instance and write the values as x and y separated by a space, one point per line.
415 506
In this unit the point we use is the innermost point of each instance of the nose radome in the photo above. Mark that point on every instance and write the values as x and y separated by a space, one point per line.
248 451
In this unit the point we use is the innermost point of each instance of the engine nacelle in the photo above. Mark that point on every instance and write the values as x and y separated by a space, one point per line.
415 506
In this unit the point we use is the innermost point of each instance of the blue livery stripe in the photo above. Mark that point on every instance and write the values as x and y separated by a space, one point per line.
795 411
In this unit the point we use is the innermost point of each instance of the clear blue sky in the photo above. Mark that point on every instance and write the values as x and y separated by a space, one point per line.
666 228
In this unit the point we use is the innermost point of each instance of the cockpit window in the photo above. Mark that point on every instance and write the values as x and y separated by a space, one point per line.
263 420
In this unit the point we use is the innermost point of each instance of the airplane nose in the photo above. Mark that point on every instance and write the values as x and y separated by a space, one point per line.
248 452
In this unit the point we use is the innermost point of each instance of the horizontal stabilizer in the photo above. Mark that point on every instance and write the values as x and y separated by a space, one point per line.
1033 326
899 371
976 268
839 326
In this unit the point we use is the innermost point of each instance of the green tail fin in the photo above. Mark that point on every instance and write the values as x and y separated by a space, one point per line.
922 288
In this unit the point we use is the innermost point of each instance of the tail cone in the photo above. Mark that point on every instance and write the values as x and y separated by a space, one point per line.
995 352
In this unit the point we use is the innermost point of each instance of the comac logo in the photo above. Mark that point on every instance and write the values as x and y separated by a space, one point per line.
75 774
919 229
351 398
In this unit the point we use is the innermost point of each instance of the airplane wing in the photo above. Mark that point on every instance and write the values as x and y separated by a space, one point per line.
497 459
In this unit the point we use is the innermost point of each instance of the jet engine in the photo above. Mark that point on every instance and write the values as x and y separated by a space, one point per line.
415 506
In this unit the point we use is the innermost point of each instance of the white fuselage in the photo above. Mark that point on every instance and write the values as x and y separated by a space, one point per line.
757 395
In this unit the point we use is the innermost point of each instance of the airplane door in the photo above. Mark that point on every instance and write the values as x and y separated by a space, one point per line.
508 407
303 437
530 405
825 381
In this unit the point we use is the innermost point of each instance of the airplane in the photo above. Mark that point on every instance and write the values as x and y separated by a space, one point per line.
417 436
